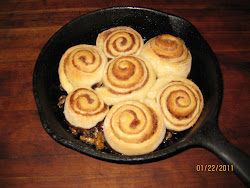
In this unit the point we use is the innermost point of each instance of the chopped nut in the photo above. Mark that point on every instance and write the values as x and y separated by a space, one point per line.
61 101
99 144
168 135
74 131
93 136
87 139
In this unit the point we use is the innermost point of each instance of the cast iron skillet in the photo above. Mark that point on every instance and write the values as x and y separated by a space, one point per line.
205 72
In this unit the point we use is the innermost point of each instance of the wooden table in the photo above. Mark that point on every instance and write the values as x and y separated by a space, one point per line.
29 157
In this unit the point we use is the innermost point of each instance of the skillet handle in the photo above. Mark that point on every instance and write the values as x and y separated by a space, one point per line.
212 139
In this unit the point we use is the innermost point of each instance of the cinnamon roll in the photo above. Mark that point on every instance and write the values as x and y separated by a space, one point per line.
168 55
180 101
84 109
120 41
133 128
126 78
81 66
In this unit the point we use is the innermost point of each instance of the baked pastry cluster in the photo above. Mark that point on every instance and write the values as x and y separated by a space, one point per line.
138 91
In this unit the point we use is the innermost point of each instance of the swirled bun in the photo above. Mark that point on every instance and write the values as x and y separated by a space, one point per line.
133 128
126 78
168 55
81 66
84 109
119 41
180 101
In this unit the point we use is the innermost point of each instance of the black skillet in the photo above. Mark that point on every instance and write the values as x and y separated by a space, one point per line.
205 72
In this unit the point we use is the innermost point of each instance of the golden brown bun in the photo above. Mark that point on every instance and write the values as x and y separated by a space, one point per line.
133 128
84 109
120 41
81 66
168 55
180 101
126 78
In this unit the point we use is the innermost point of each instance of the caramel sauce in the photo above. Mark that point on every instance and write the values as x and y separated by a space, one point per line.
93 136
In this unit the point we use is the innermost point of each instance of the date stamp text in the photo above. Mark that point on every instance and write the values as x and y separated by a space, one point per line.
214 168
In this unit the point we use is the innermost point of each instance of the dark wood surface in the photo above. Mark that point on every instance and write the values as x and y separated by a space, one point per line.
29 157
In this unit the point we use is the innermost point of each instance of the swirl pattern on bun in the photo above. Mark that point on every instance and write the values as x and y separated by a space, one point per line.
81 66
180 100
84 109
126 78
168 55
120 41
133 128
